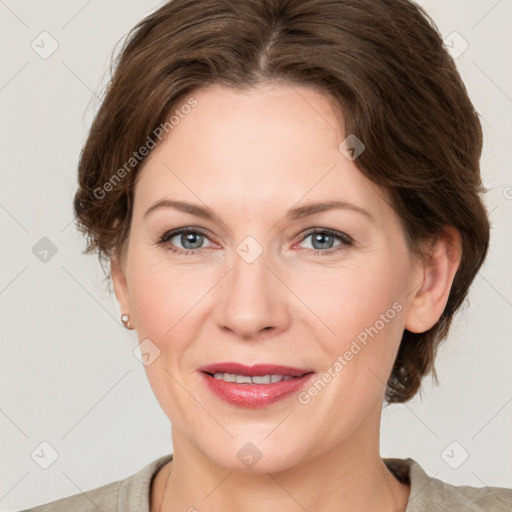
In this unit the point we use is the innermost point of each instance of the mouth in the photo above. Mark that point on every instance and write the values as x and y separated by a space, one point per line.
254 386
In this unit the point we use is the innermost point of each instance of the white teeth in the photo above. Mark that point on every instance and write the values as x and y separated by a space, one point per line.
257 379
264 379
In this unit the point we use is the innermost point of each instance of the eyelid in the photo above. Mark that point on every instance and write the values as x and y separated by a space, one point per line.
343 236
171 233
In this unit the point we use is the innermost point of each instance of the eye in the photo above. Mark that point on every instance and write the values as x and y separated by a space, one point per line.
323 240
190 238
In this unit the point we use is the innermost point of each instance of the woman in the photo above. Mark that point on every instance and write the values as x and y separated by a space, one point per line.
235 141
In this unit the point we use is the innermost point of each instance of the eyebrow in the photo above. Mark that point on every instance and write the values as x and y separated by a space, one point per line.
295 213
306 210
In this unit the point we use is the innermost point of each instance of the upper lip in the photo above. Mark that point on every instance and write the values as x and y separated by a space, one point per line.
254 370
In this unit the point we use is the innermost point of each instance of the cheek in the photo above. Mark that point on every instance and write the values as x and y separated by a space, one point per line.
163 296
366 315
166 302
347 300
361 309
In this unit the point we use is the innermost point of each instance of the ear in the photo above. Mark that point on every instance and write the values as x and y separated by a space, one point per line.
117 271
437 272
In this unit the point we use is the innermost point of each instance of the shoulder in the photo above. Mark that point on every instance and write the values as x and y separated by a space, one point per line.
128 495
103 498
430 493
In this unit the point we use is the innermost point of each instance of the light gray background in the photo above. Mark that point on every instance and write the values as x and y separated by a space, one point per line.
68 375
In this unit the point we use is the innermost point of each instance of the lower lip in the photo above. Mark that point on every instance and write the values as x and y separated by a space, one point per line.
255 396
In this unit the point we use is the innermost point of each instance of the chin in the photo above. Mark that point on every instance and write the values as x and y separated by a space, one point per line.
257 456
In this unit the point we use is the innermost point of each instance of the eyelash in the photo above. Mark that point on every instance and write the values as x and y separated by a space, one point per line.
342 237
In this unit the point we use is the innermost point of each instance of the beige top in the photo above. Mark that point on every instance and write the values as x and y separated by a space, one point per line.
427 494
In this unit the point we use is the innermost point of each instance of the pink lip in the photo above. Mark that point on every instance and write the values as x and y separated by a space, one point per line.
254 396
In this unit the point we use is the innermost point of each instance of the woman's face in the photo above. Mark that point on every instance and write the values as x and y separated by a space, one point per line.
249 283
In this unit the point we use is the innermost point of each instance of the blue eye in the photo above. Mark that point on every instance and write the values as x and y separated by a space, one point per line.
322 240
187 236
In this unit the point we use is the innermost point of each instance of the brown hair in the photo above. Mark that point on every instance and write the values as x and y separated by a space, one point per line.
382 60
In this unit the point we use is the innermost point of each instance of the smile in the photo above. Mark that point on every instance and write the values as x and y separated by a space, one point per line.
255 386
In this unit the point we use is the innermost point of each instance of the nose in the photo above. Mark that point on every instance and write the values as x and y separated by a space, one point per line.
254 299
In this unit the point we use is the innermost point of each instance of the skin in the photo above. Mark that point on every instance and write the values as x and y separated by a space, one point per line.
250 156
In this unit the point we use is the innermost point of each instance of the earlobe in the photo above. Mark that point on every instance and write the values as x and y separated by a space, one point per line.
438 271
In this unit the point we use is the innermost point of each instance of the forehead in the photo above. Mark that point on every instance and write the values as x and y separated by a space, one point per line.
257 148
